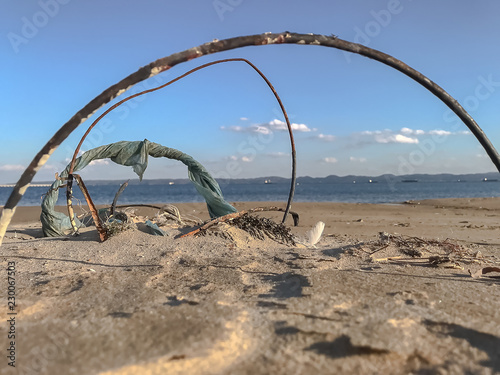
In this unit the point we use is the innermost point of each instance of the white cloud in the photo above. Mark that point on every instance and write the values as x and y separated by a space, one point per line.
404 135
50 167
300 127
330 160
357 160
233 128
399 138
409 131
99 162
278 154
260 129
247 129
385 136
277 124
244 118
281 125
440 132
368 132
267 128
325 137
244 159
394 138
12 167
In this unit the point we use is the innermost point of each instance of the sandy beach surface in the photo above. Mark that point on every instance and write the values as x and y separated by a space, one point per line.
389 289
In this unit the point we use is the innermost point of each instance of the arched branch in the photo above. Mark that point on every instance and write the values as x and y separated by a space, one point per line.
168 62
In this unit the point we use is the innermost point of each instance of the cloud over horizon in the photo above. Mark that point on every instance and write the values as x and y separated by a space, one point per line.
268 127
403 136
357 160
325 137
12 167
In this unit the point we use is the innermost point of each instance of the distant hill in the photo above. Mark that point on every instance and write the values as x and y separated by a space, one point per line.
332 179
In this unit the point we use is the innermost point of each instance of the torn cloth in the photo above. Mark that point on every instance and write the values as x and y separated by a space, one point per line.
134 154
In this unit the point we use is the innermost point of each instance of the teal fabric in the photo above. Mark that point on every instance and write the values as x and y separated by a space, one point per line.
134 154
154 229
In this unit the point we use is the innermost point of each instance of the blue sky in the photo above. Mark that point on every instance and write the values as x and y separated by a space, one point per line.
351 115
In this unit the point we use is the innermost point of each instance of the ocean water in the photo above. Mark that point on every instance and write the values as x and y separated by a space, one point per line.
381 192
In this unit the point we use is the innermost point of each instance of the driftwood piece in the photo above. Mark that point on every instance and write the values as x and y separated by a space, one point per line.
103 234
115 200
168 62
69 203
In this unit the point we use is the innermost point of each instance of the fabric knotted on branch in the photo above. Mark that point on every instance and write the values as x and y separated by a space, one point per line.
134 154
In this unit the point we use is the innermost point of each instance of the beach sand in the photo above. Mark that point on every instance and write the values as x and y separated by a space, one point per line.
388 289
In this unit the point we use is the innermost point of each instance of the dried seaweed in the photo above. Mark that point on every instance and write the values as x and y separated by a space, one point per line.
430 252
260 227
116 226
256 226
233 216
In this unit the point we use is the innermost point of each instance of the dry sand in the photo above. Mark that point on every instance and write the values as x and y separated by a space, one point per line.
359 303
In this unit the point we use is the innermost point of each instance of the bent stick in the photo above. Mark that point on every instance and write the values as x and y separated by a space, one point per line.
215 46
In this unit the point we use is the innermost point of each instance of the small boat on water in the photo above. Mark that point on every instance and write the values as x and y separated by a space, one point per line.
490 180
409 180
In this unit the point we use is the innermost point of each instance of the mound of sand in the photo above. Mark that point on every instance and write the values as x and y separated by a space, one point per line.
387 290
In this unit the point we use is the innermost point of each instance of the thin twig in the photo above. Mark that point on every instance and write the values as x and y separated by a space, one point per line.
103 234
289 126
120 190
377 250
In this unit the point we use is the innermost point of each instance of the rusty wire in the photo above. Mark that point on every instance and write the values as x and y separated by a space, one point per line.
282 107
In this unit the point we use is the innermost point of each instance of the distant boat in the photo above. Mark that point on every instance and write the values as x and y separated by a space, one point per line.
267 182
372 181
409 180
171 183
490 180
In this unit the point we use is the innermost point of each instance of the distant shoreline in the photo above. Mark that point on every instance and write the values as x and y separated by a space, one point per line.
30 214
442 177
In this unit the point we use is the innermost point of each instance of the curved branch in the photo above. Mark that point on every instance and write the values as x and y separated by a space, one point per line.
166 63
269 84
